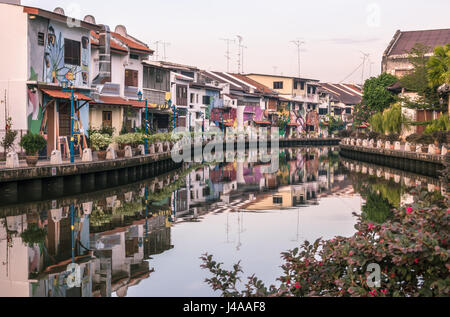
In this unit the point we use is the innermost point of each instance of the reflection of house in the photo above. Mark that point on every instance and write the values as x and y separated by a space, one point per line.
117 73
44 50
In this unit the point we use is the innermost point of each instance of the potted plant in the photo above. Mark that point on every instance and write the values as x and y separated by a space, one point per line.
32 143
439 138
122 141
136 140
99 143
33 235
393 138
10 137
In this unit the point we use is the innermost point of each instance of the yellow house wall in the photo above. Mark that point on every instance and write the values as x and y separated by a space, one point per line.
96 117
269 80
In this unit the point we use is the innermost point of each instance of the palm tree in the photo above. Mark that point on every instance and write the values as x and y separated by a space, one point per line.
439 66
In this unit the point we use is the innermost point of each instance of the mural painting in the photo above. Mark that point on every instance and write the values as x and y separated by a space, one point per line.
55 70
34 112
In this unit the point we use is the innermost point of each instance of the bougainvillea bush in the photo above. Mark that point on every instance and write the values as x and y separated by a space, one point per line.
411 248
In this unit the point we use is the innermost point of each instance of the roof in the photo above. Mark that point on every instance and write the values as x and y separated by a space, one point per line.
114 45
403 42
59 94
58 17
347 94
260 87
281 76
263 122
119 101
132 43
203 86
171 65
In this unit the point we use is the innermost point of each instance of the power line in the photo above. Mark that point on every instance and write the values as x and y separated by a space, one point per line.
351 73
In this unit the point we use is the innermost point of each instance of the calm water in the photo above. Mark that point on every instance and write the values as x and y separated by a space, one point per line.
237 212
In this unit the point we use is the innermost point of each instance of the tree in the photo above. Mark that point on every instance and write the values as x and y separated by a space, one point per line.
418 81
376 97
439 66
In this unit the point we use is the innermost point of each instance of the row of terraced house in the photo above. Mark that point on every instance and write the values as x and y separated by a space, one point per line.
112 73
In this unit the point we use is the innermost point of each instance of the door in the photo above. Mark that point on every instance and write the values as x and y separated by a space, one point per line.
107 119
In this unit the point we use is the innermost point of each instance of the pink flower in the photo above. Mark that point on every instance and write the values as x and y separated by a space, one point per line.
288 282
416 261
371 226
373 293
409 210
350 253
297 285
384 291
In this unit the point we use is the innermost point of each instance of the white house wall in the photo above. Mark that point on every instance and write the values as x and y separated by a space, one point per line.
13 65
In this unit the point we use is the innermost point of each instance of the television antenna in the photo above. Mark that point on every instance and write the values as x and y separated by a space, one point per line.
298 43
228 57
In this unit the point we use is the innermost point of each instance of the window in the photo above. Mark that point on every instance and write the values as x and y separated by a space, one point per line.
348 110
277 85
192 98
206 100
323 111
314 90
277 200
107 119
302 86
131 78
41 39
134 56
295 85
72 52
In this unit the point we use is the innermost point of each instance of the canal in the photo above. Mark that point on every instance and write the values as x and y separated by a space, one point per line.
146 238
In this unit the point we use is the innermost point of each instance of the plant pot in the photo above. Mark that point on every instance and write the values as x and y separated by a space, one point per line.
101 155
413 148
120 153
392 147
437 151
32 160
135 151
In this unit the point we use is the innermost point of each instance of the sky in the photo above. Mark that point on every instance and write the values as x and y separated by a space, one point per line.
336 33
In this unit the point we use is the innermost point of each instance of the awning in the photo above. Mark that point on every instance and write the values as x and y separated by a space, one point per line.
263 122
293 124
59 94
108 100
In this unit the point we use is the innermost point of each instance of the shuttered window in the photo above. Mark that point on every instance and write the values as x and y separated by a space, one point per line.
131 78
72 52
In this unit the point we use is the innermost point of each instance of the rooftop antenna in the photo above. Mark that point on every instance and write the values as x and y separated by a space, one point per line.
157 50
240 39
165 44
243 47
228 57
298 43
365 57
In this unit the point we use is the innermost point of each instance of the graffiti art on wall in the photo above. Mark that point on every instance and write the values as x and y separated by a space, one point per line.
55 69
34 112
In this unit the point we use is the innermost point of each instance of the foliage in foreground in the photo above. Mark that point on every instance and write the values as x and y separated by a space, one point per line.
411 249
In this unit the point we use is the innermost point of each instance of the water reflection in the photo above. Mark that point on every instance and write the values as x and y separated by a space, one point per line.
131 240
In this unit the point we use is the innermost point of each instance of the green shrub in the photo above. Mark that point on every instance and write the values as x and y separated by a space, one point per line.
376 122
393 119
440 125
32 143
100 142
33 235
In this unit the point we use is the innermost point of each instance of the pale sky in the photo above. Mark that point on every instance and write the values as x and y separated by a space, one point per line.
335 32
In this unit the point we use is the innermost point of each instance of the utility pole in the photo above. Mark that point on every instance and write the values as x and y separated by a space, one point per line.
365 57
228 57
298 43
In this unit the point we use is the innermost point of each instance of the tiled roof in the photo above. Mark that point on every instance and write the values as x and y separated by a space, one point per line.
59 94
114 45
403 42
132 44
345 93
262 88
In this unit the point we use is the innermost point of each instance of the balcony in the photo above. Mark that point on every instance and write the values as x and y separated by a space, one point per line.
307 98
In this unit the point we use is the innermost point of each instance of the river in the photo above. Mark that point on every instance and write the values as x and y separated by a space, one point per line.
146 238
